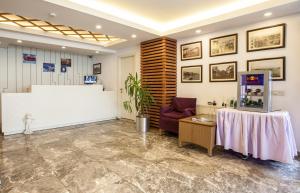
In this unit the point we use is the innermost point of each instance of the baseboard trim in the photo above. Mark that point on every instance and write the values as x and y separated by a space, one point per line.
19 131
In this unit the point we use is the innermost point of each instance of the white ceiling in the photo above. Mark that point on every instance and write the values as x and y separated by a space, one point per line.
162 11
150 19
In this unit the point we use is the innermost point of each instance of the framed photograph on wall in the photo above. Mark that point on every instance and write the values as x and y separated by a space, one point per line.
276 65
48 67
191 51
223 72
66 62
223 45
97 68
266 38
29 58
191 74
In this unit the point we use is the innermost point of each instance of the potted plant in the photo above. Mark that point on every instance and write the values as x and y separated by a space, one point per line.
141 98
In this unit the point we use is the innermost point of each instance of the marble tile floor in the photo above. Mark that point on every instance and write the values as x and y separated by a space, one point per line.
111 157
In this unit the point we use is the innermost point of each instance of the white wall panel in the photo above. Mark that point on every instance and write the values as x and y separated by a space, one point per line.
16 76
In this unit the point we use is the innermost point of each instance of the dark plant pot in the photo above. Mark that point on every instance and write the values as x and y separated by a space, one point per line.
142 123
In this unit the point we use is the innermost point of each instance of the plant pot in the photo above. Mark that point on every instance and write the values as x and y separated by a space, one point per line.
142 123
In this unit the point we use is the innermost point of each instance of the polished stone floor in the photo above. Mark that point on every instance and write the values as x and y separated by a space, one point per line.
111 157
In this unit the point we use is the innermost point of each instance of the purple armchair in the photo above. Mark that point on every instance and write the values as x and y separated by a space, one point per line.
180 108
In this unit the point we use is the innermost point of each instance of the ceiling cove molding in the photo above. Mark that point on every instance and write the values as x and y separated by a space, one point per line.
125 17
24 35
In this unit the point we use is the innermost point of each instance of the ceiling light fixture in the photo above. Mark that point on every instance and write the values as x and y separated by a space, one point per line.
52 14
63 47
268 14
198 31
19 41
98 26
133 36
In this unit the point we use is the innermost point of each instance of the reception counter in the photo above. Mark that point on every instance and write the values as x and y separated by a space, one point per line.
52 106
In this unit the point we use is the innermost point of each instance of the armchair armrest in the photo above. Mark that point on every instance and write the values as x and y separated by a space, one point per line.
189 112
166 109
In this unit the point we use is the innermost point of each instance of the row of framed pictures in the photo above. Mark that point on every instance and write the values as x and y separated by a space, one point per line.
50 67
227 71
270 37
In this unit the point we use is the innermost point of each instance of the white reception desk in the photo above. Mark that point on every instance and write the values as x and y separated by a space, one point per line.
54 106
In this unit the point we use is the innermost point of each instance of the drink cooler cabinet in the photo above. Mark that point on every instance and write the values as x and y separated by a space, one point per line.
254 91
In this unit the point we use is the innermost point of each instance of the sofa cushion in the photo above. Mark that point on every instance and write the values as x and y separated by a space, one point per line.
174 115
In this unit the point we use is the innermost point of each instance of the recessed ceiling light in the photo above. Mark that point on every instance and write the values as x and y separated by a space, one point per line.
268 14
19 41
198 31
97 52
98 26
63 47
52 14
133 36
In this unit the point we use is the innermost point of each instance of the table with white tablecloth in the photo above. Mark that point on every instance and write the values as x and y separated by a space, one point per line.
268 136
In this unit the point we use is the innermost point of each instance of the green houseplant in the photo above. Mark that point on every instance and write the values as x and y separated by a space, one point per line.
140 97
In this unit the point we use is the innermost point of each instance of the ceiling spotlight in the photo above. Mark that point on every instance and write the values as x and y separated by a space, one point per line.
52 14
19 41
98 26
268 14
63 47
133 36
198 31
97 52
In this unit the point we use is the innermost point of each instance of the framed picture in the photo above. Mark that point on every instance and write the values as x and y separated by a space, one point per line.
65 62
191 74
48 67
266 38
276 65
97 68
223 45
29 58
223 72
191 51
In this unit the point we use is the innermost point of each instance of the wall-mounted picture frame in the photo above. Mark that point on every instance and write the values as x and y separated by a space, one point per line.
265 38
29 58
97 68
48 67
223 45
276 65
191 74
66 62
191 51
223 72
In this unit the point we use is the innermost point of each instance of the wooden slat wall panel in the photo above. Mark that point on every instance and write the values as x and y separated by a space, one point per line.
158 71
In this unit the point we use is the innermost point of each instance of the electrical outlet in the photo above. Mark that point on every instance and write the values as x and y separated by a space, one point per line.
278 93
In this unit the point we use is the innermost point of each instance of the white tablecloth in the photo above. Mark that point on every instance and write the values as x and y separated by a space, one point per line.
268 136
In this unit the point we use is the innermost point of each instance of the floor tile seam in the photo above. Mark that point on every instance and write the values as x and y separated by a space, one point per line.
51 172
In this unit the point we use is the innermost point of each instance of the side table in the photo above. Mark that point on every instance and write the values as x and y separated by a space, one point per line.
201 132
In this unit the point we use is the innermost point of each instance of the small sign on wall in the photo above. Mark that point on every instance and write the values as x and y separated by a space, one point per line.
48 67
29 58
97 68
66 62
63 69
